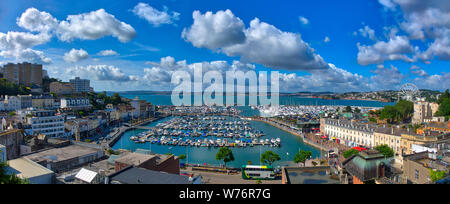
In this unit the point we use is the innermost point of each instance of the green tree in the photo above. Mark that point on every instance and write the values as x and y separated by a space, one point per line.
385 150
405 109
225 154
390 113
444 108
446 95
9 178
437 175
302 156
269 157
348 109
349 153
182 157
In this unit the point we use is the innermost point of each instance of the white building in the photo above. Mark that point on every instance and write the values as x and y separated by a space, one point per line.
80 85
350 133
45 122
76 103
12 103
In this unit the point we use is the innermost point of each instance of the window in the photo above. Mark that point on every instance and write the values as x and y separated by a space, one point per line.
416 174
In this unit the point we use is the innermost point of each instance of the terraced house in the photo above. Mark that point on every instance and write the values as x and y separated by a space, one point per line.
350 132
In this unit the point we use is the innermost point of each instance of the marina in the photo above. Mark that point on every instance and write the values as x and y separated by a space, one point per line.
214 131
289 144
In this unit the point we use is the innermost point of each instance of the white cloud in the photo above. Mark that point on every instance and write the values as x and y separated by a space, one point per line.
368 32
35 20
418 71
327 39
260 43
108 53
214 31
425 20
396 48
303 20
386 79
100 73
94 25
18 45
154 16
75 55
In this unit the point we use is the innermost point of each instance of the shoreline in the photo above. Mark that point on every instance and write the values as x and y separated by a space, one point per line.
306 141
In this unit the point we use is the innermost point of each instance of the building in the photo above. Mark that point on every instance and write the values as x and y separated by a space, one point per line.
26 101
140 107
46 122
135 175
2 153
349 132
391 137
366 167
163 163
62 88
43 101
416 167
33 172
11 103
424 111
12 139
76 103
408 140
86 176
67 158
309 175
24 74
80 85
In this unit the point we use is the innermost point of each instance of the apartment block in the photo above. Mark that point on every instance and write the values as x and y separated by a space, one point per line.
25 74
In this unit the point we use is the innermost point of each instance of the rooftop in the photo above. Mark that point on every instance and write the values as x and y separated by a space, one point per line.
25 168
311 175
138 158
135 175
62 154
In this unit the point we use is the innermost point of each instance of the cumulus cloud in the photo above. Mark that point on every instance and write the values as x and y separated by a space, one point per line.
100 73
434 82
425 20
214 31
260 43
18 45
327 39
368 32
108 53
418 71
396 48
35 20
154 16
303 20
85 26
75 55
386 78
94 25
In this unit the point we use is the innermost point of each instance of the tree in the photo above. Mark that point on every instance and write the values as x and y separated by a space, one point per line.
349 153
385 150
302 156
437 175
225 154
10 178
269 157
390 113
182 157
446 95
348 109
405 109
444 108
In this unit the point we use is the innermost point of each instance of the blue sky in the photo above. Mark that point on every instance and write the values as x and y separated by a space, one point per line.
320 45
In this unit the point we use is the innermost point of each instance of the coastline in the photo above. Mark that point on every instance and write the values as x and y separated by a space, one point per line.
289 130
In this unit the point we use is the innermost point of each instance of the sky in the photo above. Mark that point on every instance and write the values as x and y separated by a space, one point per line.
321 45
